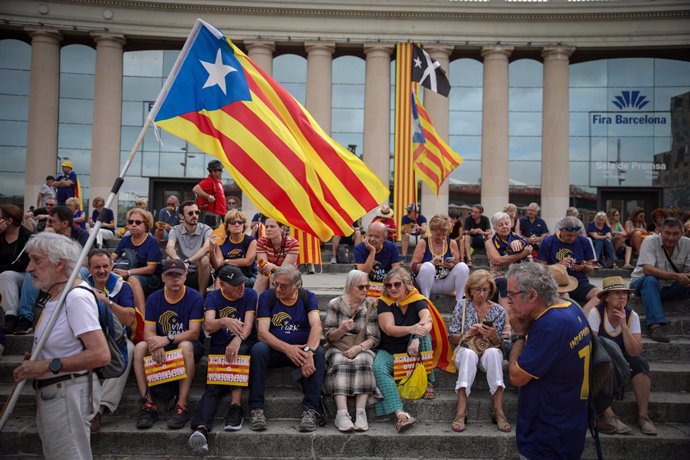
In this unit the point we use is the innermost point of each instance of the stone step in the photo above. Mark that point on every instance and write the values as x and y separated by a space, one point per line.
282 440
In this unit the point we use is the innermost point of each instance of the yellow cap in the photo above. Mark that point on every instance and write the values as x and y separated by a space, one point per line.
67 163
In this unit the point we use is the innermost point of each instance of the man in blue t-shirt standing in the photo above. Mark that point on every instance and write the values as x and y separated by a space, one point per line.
66 183
376 256
548 362
289 331
568 248
172 320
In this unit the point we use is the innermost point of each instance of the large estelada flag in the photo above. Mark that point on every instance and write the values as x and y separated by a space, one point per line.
433 160
219 100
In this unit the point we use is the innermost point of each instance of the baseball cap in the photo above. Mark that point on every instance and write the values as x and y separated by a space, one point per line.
174 265
232 275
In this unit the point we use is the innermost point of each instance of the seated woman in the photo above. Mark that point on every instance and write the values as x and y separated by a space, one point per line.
108 225
405 323
613 319
274 250
511 210
622 250
601 234
636 231
658 216
352 331
436 260
504 248
477 315
237 248
78 218
145 275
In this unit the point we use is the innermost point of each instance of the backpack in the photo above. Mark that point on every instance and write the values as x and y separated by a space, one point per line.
127 260
116 338
609 374
344 254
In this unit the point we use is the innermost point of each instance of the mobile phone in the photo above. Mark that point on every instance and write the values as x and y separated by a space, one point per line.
488 323
449 260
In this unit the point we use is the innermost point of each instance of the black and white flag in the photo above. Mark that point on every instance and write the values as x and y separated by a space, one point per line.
428 72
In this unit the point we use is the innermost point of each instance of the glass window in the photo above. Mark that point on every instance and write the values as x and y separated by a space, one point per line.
630 72
585 99
526 73
13 107
12 159
525 148
465 117
466 123
668 72
77 59
524 172
525 99
468 172
466 73
141 88
13 133
347 113
469 147
77 86
524 124
143 64
348 69
76 111
74 136
290 68
15 54
591 74
15 82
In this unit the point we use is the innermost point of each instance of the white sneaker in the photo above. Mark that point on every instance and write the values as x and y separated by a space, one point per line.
361 423
334 260
343 422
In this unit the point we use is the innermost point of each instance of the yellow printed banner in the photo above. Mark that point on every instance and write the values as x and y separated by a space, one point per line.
374 292
221 372
403 364
171 369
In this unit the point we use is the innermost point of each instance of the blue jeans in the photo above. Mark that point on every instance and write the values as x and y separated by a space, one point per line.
264 357
605 246
27 299
649 288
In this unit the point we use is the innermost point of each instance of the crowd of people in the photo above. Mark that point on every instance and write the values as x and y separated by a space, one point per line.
238 284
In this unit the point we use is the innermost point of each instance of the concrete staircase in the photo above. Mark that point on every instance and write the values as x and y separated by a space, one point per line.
430 438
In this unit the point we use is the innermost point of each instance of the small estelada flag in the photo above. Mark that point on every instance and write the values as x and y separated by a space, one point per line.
428 72
404 364
171 369
222 372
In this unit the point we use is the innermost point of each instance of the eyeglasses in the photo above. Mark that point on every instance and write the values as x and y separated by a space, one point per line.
135 222
513 294
395 285
363 287
480 289
572 229
282 286
235 222
193 213
216 170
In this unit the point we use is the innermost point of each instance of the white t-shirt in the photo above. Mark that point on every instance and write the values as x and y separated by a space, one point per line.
594 320
78 316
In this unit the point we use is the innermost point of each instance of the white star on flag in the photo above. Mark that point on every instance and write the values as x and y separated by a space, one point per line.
217 72
418 63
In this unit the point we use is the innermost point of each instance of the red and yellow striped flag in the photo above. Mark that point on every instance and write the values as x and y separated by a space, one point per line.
404 183
434 160
220 101
309 247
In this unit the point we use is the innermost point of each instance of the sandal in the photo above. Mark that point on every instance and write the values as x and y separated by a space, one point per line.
469 263
404 421
459 423
501 422
430 393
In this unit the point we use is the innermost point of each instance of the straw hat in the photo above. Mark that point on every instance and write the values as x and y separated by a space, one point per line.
384 211
613 283
564 282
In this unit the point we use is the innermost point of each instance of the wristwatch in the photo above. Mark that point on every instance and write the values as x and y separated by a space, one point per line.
55 366
308 348
171 338
515 337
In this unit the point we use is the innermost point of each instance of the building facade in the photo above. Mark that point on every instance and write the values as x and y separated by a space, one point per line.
549 99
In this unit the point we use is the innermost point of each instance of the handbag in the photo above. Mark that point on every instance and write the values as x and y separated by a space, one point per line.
475 343
415 385
348 341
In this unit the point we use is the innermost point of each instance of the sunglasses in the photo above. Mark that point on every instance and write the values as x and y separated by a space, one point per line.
135 222
395 285
193 213
362 287
572 229
216 170
235 222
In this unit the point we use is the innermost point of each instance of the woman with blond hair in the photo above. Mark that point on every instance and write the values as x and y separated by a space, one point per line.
236 248
436 260
107 219
78 216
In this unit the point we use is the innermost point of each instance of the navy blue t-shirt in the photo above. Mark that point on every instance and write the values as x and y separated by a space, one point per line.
63 193
148 251
553 250
231 250
288 323
383 260
538 228
592 228
174 317
225 308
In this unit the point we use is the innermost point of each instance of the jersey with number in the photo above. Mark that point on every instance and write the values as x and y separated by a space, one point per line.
226 308
552 407
174 317
289 323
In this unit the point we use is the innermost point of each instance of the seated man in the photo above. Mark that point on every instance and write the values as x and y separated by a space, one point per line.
385 214
662 273
116 295
532 227
229 317
168 217
376 256
190 241
172 320
289 331
36 220
413 227
569 248
477 228
13 263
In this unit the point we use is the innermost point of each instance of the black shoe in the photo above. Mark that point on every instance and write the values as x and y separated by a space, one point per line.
198 441
147 415
658 335
233 419
24 326
10 323
179 418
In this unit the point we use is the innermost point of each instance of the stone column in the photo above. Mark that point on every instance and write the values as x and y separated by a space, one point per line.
107 116
319 81
377 116
261 52
494 178
42 127
437 107
555 150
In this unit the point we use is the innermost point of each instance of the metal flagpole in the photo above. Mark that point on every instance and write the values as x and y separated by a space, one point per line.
17 388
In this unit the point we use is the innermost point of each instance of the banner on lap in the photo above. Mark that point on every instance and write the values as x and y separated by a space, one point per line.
171 369
403 364
374 292
222 372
